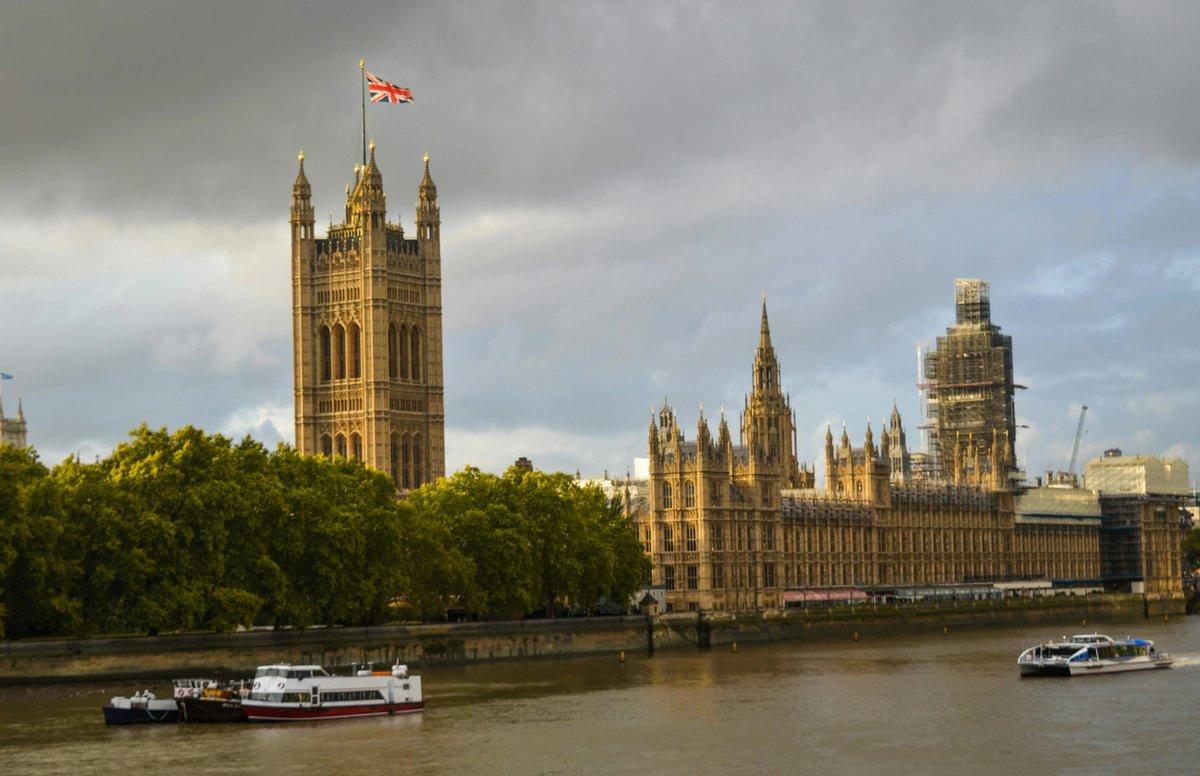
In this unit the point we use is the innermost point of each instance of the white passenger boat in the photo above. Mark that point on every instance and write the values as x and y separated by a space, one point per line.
283 692
1091 653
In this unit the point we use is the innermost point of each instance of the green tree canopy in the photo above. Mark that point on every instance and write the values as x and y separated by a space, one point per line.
187 530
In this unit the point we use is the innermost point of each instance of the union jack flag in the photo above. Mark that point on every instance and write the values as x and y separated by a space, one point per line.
382 91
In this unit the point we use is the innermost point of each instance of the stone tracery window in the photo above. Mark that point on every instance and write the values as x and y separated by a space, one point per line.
339 352
395 458
393 365
354 351
416 353
418 464
405 463
326 356
403 350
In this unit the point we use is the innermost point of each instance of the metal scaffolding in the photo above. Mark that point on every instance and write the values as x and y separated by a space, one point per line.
968 382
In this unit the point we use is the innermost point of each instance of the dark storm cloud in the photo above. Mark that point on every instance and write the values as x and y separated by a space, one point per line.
619 182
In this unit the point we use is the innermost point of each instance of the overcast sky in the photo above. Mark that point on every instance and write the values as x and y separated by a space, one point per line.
618 183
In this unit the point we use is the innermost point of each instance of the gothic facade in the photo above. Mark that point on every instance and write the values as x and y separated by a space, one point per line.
367 331
732 527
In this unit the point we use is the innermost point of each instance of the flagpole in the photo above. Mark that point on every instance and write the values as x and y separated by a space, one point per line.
362 82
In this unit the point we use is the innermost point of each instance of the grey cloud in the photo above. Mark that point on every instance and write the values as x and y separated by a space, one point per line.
664 164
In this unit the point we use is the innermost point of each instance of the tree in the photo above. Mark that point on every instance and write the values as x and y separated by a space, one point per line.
180 530
1191 549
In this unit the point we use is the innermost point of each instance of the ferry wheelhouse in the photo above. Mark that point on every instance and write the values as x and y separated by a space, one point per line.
284 692
1091 653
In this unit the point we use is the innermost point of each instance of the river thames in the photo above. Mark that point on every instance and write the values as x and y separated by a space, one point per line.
927 704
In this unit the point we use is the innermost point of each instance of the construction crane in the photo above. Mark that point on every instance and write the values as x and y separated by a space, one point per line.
1078 436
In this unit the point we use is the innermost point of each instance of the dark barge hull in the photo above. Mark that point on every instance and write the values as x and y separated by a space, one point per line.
140 716
211 710
1045 671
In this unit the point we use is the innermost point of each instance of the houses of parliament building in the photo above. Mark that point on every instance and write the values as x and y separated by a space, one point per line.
367 330
740 525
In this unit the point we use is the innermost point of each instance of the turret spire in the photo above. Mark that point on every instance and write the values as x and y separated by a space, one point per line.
301 179
427 186
764 333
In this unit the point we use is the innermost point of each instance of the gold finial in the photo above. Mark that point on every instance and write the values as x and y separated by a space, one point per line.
356 169
371 146
300 156
426 157
362 63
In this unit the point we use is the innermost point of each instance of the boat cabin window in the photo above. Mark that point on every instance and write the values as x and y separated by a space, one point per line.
304 673
290 673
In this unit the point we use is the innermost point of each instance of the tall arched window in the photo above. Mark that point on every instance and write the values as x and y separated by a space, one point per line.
339 352
327 446
326 360
666 495
340 445
393 371
356 446
416 353
418 465
395 459
353 351
405 463
689 494
403 352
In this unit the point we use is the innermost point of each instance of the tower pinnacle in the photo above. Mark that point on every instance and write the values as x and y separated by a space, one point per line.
764 334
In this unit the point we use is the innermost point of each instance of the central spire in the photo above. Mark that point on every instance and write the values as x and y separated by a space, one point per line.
764 334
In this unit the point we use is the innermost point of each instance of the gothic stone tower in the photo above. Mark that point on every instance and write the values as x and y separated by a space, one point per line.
969 384
768 423
367 331
12 430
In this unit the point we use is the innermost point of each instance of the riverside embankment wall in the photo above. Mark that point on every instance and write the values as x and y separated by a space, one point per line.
237 654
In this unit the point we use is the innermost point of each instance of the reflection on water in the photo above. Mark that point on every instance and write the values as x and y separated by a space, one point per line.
929 704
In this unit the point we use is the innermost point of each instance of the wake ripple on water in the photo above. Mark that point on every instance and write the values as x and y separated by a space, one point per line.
1191 660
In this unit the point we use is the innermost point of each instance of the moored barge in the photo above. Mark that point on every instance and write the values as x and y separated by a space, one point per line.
140 708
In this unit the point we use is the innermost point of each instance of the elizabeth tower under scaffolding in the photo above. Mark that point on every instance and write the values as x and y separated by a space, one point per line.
969 388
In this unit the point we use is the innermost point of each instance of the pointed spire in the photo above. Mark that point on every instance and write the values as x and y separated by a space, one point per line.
301 184
764 332
370 173
427 186
20 408
895 415
703 435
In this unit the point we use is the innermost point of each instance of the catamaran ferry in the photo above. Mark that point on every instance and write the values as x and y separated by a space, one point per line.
284 692
1091 653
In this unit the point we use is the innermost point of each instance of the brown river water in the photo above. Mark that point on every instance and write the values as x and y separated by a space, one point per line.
884 705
